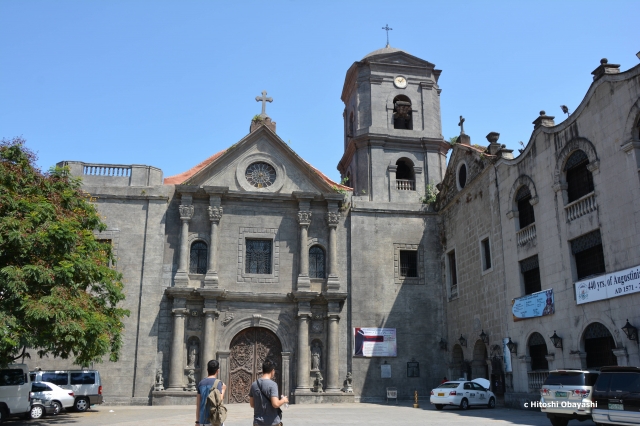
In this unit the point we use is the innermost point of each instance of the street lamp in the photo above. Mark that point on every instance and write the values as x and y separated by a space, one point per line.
463 341
443 344
556 340
513 346
484 337
630 331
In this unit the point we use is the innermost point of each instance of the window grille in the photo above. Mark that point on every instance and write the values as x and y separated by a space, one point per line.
258 256
588 254
409 264
599 345
486 252
525 209
316 262
452 268
537 352
531 275
579 178
198 258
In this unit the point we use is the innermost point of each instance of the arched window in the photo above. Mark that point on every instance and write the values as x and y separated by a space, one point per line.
538 352
405 179
402 113
579 178
525 209
316 262
599 345
198 258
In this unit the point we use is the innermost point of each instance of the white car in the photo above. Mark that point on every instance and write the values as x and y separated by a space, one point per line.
463 394
59 397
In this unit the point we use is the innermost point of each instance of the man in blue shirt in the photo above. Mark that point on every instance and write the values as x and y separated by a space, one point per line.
204 387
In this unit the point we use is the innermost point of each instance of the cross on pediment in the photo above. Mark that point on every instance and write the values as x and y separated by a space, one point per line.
461 124
264 99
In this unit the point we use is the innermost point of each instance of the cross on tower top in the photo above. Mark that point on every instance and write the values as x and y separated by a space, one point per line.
264 99
387 29
461 124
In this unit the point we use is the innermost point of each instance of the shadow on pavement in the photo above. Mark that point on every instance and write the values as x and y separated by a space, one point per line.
65 418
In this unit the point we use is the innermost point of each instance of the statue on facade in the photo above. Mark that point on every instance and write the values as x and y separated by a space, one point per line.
159 385
348 384
191 381
316 356
317 383
194 349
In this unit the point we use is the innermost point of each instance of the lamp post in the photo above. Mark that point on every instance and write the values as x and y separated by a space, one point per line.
513 346
630 331
556 340
463 341
484 337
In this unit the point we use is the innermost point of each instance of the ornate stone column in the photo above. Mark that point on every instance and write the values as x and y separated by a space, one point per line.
302 379
333 281
286 375
176 374
223 359
304 219
208 353
211 279
333 353
186 213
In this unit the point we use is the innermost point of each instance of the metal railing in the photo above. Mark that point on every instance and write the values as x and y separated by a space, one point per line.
581 206
526 234
405 185
536 379
106 170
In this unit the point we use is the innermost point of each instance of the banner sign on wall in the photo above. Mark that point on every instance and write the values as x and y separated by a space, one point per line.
369 342
607 286
533 305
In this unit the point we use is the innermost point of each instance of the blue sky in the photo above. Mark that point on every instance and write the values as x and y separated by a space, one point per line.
169 83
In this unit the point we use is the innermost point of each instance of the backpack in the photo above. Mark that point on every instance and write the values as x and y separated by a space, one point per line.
217 410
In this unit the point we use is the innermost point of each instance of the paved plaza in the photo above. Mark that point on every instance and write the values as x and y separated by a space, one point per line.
304 415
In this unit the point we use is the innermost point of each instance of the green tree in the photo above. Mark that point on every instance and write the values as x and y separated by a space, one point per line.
58 291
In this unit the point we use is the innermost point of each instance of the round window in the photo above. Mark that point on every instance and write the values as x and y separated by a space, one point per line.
261 175
462 175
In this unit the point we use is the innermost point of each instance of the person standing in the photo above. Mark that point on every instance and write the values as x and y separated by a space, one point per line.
264 399
204 387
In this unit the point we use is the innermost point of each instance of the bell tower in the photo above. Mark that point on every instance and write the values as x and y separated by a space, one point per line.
393 143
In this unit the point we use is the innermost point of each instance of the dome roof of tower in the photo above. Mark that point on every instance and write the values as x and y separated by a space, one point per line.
387 49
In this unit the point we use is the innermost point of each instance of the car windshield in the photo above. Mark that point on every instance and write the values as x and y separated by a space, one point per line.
448 385
565 378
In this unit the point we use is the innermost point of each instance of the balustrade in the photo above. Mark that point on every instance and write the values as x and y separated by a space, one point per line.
106 170
526 234
536 379
581 206
405 185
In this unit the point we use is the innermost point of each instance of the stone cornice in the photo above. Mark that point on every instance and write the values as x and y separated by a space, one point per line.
215 190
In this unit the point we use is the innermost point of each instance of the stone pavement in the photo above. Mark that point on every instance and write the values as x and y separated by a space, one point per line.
304 415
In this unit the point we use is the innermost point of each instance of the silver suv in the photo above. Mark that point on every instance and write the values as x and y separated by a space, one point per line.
566 395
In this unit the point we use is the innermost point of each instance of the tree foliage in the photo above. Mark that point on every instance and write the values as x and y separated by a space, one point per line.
58 291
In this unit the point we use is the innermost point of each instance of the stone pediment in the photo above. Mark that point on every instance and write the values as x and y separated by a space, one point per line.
261 162
474 161
401 58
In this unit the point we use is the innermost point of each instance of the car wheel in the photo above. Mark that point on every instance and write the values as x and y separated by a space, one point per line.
559 421
492 403
81 404
37 412
57 407
464 404
439 406
3 414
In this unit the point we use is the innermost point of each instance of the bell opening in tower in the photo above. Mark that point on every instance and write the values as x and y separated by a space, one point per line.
402 113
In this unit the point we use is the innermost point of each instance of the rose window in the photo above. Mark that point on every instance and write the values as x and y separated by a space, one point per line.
261 175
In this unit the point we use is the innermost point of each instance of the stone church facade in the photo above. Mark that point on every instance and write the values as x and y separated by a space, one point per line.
255 254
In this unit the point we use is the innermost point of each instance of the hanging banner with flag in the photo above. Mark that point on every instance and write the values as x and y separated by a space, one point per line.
370 342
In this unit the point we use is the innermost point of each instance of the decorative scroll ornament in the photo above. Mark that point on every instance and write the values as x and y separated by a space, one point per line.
333 218
186 212
304 217
215 214
228 317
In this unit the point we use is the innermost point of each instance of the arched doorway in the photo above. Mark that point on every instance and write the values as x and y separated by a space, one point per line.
480 369
248 350
599 346
457 358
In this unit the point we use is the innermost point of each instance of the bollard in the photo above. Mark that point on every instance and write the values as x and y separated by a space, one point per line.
415 400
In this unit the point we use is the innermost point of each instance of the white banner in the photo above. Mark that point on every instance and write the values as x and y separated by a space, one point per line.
607 286
370 342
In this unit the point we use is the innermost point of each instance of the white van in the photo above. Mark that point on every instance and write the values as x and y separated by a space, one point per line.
85 384
14 391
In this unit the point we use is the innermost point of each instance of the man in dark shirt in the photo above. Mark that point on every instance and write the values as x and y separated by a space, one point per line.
204 387
264 399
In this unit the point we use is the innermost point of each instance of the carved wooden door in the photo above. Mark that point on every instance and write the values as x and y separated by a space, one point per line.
249 349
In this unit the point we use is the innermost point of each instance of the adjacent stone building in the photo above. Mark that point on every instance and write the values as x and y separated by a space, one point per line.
255 254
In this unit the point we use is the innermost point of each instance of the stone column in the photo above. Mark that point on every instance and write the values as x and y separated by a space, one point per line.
304 219
303 352
223 359
333 354
333 282
621 356
215 214
186 213
286 375
176 373
208 353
